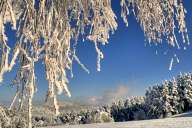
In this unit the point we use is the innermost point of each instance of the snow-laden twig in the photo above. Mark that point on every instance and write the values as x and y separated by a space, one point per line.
171 64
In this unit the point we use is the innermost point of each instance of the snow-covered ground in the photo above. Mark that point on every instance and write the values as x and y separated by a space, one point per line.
177 122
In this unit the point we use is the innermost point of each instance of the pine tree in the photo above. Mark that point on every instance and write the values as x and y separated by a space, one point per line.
188 85
174 97
154 101
166 106
185 87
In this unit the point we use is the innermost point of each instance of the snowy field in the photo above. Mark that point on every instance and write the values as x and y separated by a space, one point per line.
178 122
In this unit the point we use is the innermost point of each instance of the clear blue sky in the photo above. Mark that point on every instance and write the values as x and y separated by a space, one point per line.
127 62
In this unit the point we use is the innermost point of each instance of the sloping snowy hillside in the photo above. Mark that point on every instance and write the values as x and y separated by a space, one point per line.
178 122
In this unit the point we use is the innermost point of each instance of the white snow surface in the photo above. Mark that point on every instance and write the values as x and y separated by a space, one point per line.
177 122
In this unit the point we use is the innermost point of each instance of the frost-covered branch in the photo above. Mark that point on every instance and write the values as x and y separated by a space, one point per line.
158 19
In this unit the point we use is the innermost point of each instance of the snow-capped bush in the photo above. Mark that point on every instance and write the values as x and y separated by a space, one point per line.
4 119
98 115
12 119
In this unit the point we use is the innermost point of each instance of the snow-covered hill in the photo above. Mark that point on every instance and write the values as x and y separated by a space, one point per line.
177 122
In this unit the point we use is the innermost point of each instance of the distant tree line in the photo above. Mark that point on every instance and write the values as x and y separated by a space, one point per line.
160 101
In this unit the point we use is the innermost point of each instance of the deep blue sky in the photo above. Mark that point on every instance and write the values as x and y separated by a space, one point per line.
128 62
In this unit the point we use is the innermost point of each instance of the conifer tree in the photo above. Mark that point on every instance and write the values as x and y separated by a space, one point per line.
174 97
166 106
184 89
